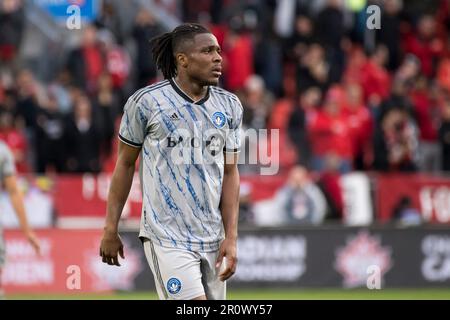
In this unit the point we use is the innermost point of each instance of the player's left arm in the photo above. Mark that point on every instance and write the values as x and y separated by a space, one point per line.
16 198
229 207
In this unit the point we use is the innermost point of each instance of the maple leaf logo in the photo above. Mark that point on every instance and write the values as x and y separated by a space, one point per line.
360 252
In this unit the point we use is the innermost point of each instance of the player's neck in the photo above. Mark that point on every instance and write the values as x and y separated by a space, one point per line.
194 90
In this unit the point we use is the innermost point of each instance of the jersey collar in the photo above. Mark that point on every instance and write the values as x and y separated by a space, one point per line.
185 96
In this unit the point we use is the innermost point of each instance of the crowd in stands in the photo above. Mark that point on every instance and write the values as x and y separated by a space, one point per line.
342 96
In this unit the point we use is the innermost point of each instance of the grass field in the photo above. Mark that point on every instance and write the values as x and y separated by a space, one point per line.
271 294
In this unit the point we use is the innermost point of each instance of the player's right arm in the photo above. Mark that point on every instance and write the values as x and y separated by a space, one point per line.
122 179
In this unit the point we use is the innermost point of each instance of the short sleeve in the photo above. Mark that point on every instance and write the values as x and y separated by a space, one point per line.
7 162
233 141
133 125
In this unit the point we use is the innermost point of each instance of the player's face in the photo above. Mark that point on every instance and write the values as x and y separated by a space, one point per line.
204 60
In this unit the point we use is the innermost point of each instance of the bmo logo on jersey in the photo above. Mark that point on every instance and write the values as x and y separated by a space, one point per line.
173 285
211 142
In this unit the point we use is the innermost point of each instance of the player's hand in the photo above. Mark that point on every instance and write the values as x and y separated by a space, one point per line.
228 250
110 247
34 241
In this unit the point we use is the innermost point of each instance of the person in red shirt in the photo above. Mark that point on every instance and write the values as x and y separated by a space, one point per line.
375 79
330 134
86 63
361 125
428 117
425 45
238 59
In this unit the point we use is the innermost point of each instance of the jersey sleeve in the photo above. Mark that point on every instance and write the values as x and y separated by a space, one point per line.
7 164
233 140
133 125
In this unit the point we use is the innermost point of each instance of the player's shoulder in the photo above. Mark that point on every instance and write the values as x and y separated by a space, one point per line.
4 149
143 93
224 93
227 95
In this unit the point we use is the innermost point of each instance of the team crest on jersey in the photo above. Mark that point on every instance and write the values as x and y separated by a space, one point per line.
173 285
218 119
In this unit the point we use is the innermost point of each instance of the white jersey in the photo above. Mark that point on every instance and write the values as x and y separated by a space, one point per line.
182 161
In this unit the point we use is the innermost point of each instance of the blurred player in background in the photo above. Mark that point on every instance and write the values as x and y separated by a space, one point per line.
9 182
190 208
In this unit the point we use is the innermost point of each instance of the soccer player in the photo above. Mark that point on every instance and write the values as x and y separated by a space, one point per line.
8 179
187 132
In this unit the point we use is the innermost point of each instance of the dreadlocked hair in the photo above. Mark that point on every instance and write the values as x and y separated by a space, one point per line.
163 46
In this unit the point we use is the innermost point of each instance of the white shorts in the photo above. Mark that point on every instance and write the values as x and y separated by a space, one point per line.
184 275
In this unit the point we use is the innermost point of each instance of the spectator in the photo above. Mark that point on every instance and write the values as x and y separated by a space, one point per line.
396 142
237 55
304 110
84 137
425 45
444 136
86 63
109 20
374 78
297 45
329 183
405 214
106 107
300 200
389 35
330 25
117 60
30 96
11 29
361 126
428 116
51 149
268 57
330 134
257 103
330 31
443 73
312 70
145 28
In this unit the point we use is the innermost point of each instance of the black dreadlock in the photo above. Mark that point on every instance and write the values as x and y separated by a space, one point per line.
163 46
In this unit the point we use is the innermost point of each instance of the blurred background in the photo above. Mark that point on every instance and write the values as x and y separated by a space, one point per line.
362 195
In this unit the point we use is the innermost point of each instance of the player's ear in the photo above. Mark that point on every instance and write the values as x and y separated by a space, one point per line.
181 59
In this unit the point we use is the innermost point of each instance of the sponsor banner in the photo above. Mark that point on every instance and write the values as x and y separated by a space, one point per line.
48 198
86 196
69 263
268 258
435 266
430 195
343 257
309 257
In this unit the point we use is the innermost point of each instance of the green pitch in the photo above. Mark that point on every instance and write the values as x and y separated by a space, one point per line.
271 294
